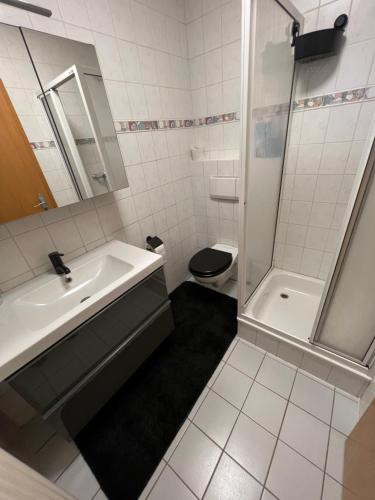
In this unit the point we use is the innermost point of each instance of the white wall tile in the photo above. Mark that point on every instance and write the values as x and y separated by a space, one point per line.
334 157
361 26
314 126
35 246
65 235
15 262
342 123
358 58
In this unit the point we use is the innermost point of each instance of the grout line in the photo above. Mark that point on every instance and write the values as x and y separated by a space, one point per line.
190 421
97 491
278 435
309 413
328 442
157 479
231 432
45 442
179 477
67 467
301 455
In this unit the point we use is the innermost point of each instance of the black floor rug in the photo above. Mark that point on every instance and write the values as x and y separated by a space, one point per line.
125 441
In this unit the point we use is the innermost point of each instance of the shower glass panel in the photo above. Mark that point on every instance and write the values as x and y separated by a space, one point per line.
353 335
70 103
271 83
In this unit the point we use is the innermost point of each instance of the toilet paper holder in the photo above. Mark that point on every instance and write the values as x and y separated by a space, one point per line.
154 244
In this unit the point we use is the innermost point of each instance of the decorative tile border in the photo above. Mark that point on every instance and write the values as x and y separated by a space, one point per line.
123 127
85 141
335 98
43 145
269 111
80 142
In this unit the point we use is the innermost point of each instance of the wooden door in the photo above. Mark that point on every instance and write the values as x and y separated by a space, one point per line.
21 178
359 459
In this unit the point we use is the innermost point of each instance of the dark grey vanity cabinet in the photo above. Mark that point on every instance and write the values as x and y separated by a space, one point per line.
73 379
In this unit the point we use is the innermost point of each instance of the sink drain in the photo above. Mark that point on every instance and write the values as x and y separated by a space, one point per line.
85 298
284 295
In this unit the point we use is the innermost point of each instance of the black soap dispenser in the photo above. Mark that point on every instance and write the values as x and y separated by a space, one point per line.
319 44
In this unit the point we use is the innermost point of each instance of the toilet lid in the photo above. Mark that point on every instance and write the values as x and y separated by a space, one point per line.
210 262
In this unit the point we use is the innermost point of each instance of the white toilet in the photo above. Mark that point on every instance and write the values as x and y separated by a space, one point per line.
214 265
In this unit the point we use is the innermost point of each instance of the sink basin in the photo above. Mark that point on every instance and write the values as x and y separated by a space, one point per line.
42 311
46 303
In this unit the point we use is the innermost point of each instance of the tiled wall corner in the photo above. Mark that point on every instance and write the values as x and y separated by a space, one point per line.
214 51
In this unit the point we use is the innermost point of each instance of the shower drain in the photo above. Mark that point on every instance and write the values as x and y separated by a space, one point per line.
284 295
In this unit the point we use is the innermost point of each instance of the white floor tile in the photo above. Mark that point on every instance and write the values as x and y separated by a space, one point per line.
247 359
198 402
232 385
100 496
36 433
155 476
312 396
54 457
195 459
336 455
170 487
78 480
345 413
215 374
268 496
306 434
292 477
276 376
216 418
231 482
176 440
230 349
251 446
332 490
265 407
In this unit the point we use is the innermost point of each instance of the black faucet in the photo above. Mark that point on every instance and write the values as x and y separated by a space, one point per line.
58 264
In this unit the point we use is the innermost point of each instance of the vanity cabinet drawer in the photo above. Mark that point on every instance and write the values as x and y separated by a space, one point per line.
46 379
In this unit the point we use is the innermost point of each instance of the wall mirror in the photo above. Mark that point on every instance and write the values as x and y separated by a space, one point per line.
57 137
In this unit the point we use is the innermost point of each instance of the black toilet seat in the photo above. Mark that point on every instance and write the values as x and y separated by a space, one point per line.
208 263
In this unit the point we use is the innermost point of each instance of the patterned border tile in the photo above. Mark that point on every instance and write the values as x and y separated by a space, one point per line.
123 127
43 145
335 98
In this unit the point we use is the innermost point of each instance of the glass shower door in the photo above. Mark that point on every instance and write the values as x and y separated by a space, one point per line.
270 83
75 102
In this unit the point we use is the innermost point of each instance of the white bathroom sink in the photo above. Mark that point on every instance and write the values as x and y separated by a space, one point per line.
40 312
43 304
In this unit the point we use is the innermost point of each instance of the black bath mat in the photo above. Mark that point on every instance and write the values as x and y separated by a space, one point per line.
125 441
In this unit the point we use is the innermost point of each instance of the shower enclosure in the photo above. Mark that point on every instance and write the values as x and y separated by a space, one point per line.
288 301
73 101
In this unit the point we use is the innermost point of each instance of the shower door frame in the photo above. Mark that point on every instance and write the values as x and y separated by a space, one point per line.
354 210
247 142
78 74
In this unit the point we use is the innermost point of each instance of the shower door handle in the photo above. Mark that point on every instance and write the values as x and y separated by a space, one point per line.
100 176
